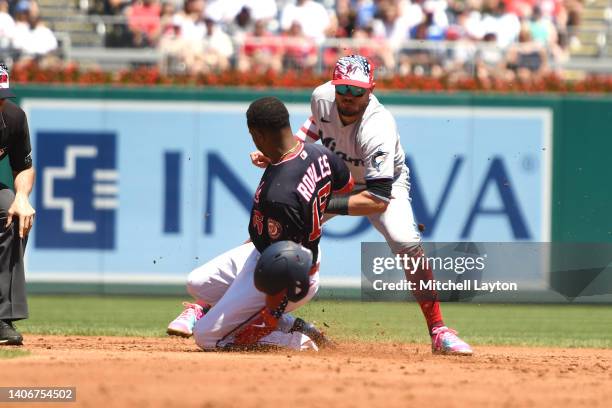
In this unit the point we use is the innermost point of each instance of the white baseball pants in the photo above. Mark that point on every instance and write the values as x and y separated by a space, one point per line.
226 283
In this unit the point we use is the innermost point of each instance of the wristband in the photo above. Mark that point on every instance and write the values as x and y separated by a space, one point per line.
338 205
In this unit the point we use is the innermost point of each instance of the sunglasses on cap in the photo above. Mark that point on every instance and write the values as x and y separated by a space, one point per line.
354 90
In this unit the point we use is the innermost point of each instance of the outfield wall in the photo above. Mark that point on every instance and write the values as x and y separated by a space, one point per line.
139 186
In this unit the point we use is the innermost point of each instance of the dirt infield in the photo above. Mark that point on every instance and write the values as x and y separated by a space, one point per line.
155 372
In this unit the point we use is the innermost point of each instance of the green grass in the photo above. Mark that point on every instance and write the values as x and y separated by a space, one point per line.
529 325
12 353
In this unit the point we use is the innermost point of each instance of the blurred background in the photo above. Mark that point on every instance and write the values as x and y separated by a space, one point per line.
454 39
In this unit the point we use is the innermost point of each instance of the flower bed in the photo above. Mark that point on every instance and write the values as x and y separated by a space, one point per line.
73 75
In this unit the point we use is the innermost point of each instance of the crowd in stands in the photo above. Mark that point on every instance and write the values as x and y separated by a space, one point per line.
480 37
23 36
484 38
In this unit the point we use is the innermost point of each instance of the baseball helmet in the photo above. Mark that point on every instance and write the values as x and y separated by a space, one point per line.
284 265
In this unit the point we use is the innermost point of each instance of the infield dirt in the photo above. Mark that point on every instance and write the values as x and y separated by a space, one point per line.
171 372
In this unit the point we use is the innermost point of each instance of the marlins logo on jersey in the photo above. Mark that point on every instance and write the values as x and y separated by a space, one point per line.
378 159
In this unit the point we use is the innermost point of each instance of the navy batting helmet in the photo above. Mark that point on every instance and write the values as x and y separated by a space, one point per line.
284 265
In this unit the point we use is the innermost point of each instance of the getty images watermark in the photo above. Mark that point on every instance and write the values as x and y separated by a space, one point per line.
491 271
457 265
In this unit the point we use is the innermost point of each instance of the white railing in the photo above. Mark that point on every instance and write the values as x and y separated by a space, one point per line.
124 57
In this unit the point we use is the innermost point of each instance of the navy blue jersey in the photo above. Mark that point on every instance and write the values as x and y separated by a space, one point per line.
292 195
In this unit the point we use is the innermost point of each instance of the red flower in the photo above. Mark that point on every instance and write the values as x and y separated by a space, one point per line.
71 73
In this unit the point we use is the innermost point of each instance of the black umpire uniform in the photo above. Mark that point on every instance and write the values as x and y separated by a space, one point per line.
14 143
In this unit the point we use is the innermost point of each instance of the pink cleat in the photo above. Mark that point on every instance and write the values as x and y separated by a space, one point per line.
183 325
446 341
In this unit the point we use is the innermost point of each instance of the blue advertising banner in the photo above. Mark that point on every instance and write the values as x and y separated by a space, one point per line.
144 191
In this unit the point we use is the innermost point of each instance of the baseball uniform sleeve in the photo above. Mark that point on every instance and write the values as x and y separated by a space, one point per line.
378 142
309 132
20 150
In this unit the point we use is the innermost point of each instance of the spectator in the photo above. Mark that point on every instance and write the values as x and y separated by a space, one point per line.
506 26
110 7
262 9
117 34
527 58
542 29
166 16
218 47
375 48
473 23
300 51
242 24
366 10
520 8
413 13
183 39
191 22
438 9
344 21
32 39
460 56
7 26
144 22
390 24
427 30
312 16
21 31
41 40
343 24
489 58
261 51
225 11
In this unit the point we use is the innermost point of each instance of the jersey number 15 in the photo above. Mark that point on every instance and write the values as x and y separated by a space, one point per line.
318 210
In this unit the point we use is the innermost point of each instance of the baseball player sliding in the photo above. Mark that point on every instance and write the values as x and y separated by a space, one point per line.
351 122
242 296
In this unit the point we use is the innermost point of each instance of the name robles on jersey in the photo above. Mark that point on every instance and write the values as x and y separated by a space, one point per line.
310 179
292 195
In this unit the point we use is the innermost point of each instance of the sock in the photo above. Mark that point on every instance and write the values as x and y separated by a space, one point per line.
428 299
205 306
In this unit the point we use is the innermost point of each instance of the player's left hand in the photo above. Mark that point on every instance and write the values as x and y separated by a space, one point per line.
258 159
21 208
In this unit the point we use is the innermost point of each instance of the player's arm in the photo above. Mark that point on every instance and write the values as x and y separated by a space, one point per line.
20 158
359 203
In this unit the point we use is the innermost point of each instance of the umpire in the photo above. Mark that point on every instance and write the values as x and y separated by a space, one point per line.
16 213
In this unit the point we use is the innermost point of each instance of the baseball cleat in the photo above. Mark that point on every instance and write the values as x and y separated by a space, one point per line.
308 329
8 335
446 341
183 325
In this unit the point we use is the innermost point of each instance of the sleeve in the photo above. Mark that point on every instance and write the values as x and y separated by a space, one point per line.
378 143
342 180
20 150
309 132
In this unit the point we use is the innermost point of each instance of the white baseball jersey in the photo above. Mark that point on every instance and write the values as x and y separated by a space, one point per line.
370 147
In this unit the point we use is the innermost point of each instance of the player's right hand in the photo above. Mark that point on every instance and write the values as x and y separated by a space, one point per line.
258 159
